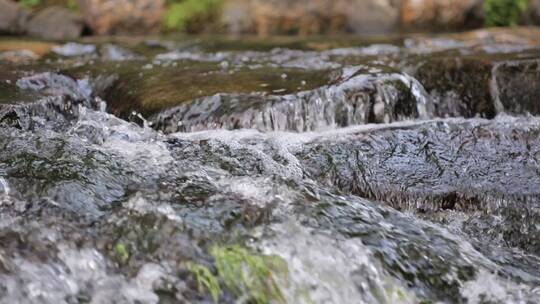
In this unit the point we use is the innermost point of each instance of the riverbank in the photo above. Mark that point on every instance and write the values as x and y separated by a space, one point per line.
69 19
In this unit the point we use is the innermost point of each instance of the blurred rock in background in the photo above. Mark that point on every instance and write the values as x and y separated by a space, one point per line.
123 16
237 16
441 14
67 19
56 23
534 11
306 17
12 18
309 17
372 16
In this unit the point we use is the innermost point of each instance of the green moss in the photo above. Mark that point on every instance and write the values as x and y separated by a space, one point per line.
205 280
504 12
248 274
121 252
72 5
191 15
29 3
40 4
244 273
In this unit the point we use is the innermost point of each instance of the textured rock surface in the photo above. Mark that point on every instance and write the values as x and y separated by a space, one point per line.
122 16
56 23
484 86
97 209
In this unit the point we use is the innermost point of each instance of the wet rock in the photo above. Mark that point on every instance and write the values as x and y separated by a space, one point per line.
45 100
13 18
147 88
358 98
113 52
439 165
481 85
515 86
137 199
443 14
56 23
125 16
72 49
94 208
52 84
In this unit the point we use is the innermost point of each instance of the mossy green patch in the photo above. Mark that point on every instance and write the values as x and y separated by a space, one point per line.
121 252
205 280
244 273
191 15
40 4
29 3
504 12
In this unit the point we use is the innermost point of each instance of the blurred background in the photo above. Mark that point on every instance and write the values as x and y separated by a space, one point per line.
69 19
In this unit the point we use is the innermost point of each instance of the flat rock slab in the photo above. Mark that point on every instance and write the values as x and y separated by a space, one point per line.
461 164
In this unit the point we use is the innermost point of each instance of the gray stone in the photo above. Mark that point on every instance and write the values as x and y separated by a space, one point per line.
373 16
12 17
238 17
56 23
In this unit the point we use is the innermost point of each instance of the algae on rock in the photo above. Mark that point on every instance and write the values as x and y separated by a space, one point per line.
246 274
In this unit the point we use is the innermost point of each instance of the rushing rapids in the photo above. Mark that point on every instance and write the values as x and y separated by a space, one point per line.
386 173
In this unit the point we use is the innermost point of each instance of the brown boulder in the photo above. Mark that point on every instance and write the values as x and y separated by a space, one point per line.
297 17
12 17
441 14
56 23
324 16
123 16
534 9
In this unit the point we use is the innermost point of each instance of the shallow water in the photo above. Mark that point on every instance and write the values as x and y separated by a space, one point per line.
374 173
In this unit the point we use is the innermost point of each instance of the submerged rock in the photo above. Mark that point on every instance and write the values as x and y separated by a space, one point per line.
149 88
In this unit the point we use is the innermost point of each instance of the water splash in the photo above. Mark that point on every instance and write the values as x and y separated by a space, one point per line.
360 97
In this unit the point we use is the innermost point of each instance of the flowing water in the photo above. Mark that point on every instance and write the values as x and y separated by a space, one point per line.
402 171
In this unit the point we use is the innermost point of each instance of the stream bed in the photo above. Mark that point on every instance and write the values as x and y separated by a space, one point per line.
402 170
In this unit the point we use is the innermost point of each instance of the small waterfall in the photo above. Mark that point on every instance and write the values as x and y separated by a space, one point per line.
359 97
